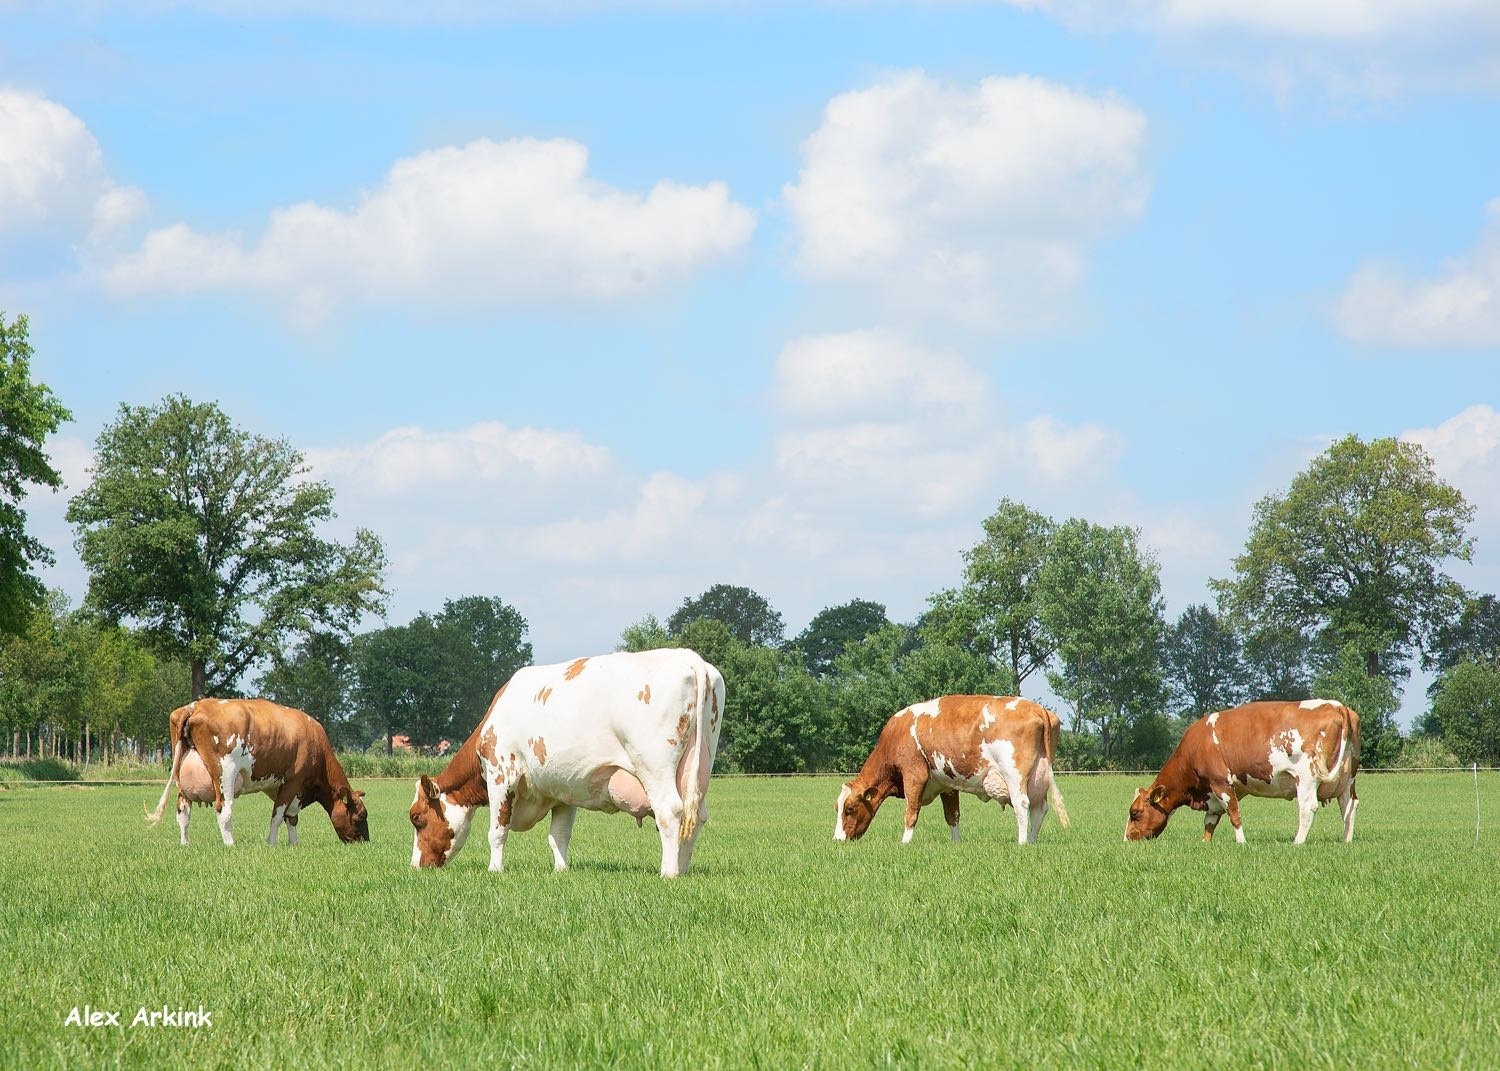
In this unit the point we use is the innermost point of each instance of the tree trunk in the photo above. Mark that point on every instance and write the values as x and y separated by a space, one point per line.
200 679
1372 663
390 742
87 748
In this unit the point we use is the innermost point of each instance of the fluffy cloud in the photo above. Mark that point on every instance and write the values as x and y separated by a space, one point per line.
52 174
486 225
877 424
974 201
1458 308
1466 450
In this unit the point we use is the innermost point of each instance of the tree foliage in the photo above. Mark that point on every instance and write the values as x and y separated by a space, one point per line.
207 536
996 612
750 618
1204 663
28 414
1466 710
1353 553
835 628
1100 595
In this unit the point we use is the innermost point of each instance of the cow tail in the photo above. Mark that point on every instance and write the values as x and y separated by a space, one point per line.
1353 741
180 732
693 788
1054 794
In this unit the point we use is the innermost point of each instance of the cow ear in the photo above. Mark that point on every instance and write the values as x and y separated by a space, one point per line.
429 789
1158 794
358 794
868 794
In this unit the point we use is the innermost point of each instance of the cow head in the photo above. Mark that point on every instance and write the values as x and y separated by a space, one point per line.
350 819
1148 813
853 811
432 833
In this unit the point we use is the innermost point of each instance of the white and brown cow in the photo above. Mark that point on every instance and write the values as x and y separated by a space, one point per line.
620 732
1306 751
996 747
223 748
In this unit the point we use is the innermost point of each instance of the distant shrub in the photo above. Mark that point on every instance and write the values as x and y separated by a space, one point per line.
379 764
1418 752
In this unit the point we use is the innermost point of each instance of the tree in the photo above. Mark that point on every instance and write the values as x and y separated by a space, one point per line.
749 617
833 629
1474 636
1353 552
996 612
484 643
1466 710
647 634
317 677
1374 698
775 712
394 669
206 535
1205 670
1276 664
28 414
1099 594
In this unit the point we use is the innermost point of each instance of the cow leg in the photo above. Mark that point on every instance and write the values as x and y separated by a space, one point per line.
291 822
184 809
1307 808
1232 805
279 804
914 785
666 804
1214 808
950 812
502 800
559 833
1348 804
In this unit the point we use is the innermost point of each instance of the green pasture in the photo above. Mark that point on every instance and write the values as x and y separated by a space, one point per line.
780 949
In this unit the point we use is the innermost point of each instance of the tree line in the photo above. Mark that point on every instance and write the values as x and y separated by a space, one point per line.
208 574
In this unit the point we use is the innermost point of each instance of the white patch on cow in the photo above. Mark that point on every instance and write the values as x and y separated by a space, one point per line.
838 813
986 717
928 709
1212 719
216 738
277 816
1013 704
906 836
459 819
953 832
1314 704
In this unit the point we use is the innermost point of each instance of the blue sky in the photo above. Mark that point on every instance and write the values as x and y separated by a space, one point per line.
592 306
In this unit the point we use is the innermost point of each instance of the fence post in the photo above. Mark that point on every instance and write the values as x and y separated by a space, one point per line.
1476 802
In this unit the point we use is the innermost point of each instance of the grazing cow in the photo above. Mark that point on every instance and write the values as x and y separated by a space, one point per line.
621 732
223 748
997 747
1305 751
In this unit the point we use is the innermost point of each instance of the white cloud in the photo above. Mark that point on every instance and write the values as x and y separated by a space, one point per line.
877 425
1458 308
52 174
479 458
1359 48
979 202
482 226
1466 449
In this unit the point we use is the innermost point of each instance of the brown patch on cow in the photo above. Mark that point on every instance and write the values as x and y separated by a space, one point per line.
502 816
644 695
574 669
544 695
539 748
487 742
683 724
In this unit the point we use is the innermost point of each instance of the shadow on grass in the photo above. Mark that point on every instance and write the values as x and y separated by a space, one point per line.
37 770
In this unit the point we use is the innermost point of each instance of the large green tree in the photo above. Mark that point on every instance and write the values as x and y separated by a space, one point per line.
1205 666
996 612
208 536
1099 593
28 414
835 628
1353 554
750 618
317 677
1466 711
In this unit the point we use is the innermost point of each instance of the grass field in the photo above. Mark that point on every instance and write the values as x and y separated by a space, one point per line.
780 949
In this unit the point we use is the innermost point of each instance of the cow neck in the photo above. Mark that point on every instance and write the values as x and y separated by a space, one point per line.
334 781
1178 780
878 773
462 781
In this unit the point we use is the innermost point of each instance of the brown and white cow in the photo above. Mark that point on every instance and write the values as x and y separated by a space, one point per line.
632 732
223 748
996 747
1306 751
